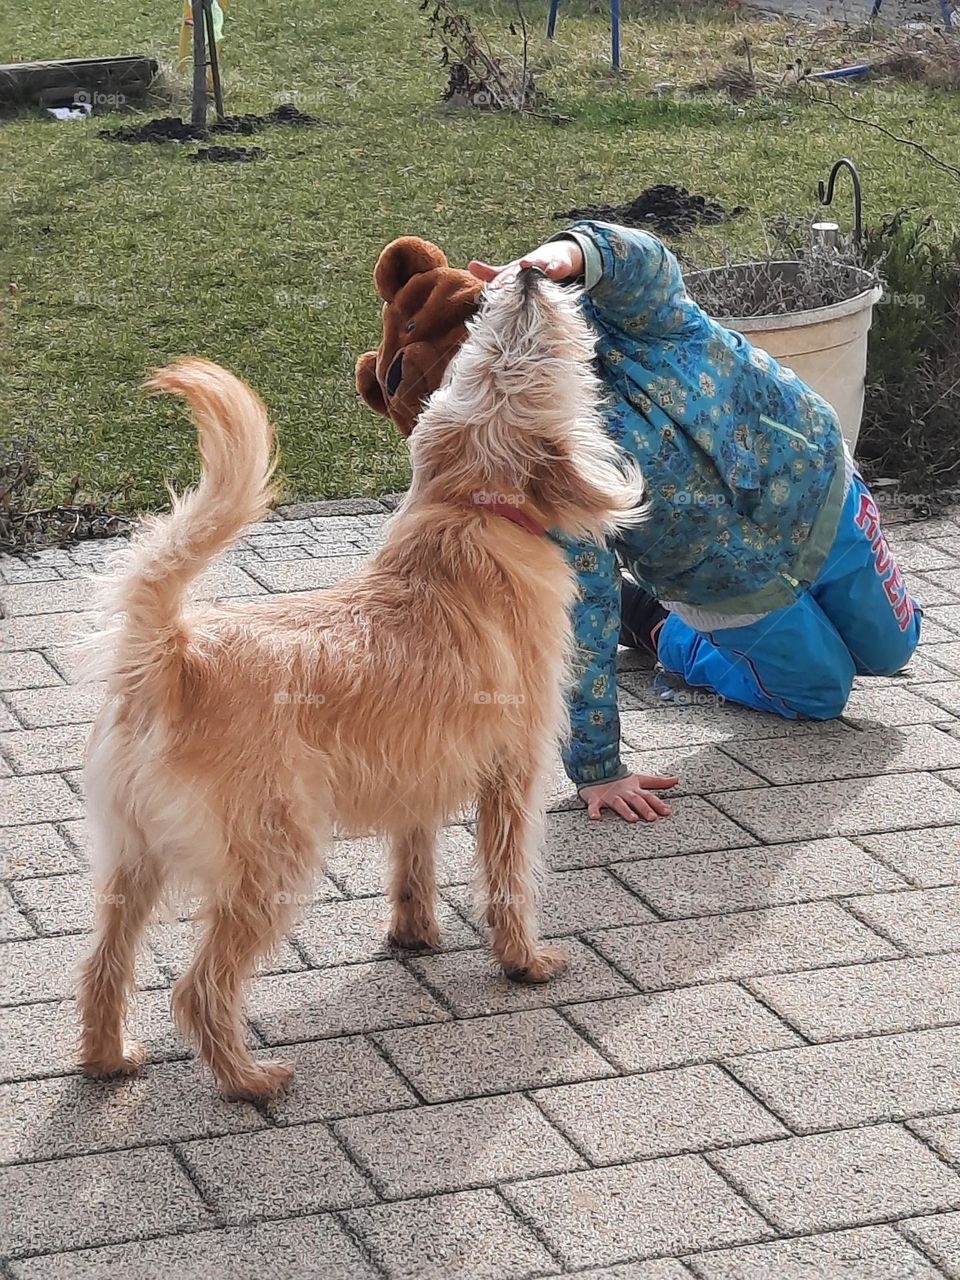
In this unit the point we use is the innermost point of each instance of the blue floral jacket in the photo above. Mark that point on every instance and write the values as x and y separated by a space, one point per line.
743 463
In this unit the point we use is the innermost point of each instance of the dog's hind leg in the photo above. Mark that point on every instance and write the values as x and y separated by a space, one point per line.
126 897
413 890
508 831
244 920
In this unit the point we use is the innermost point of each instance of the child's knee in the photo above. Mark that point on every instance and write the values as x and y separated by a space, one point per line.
826 694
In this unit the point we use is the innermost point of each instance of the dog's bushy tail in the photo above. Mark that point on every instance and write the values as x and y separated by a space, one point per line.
235 489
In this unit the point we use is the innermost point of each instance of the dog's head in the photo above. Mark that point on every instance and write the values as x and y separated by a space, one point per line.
426 305
518 417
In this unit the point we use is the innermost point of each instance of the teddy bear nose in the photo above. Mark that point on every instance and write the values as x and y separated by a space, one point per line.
394 374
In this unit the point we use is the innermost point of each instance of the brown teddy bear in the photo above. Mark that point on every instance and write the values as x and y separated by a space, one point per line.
426 305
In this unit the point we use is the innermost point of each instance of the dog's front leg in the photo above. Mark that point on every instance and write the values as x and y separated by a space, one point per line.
507 835
413 891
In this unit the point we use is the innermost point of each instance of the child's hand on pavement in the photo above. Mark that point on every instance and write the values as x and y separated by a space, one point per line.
629 798
560 260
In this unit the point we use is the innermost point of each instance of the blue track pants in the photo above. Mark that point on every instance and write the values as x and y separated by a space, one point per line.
799 662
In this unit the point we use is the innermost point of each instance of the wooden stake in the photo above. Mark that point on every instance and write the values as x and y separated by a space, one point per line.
198 117
214 58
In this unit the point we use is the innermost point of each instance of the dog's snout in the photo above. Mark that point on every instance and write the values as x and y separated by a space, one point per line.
529 280
394 374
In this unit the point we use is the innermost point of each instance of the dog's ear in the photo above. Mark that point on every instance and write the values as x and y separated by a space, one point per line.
368 385
402 259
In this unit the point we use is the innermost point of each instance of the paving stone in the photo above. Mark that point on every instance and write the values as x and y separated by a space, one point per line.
668 1206
947 654
844 1179
673 726
41 1039
693 1024
944 612
918 920
857 1082
38 798
708 883
939 1235
291 1250
336 1078
71 1115
471 1233
456 1146
359 867
499 1054
851 755
886 703
946 695
308 575
928 858
471 982
871 1253
573 841
69 660
893 995
66 1204
274 1173
7 721
13 923
345 932
46 750
940 1132
46 597
931 594
664 1269
67 704
924 668
843 808
59 904
45 630
224 581
173 944
336 1002
700 768
45 968
571 902
915 556
775 939
947 577
933 635
657 1114
26 671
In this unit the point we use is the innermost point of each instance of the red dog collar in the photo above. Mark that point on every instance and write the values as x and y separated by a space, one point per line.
511 512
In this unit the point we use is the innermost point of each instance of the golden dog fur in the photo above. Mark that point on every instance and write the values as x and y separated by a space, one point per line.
235 737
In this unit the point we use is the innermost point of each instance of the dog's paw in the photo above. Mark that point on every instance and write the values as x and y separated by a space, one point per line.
413 939
261 1081
126 1063
547 963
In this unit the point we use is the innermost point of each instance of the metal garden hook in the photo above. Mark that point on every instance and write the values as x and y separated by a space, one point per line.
825 195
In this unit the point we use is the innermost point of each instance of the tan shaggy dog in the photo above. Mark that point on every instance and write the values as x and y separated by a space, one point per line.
235 737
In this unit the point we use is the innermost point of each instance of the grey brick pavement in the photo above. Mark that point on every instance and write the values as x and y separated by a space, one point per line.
750 1070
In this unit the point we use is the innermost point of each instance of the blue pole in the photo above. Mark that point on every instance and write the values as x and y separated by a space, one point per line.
615 30
552 19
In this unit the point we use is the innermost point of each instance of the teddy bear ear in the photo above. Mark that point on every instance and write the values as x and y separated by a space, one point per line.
368 385
400 260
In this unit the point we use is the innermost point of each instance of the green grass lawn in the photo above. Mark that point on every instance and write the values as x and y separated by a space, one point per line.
115 258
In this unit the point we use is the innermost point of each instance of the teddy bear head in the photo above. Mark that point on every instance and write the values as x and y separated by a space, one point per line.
426 306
